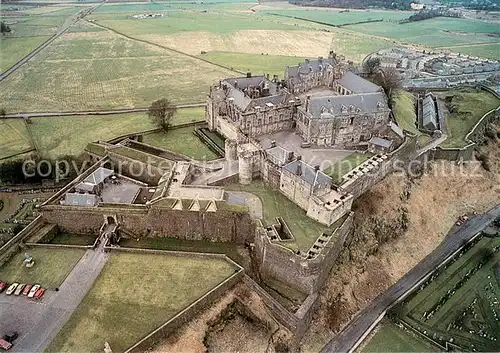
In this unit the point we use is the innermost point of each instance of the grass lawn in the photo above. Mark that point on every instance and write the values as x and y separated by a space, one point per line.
231 250
275 204
133 295
347 164
14 49
14 137
74 239
391 338
255 63
469 105
59 136
405 112
51 266
182 141
188 115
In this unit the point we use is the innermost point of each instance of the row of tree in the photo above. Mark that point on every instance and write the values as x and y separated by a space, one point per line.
356 4
425 14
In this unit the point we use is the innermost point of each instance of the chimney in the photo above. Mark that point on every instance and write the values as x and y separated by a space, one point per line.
316 168
320 59
249 74
299 157
267 76
273 144
307 103
307 61
235 84
299 169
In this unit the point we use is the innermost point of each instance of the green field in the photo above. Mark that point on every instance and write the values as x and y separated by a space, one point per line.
275 204
68 135
14 49
336 18
101 70
390 338
459 302
74 239
435 32
133 295
254 63
51 266
469 106
491 51
182 141
14 137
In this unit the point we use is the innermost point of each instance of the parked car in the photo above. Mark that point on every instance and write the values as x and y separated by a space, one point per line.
19 289
27 289
3 285
12 288
11 336
4 344
33 290
39 293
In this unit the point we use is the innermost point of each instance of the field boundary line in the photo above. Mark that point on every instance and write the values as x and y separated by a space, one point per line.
166 48
92 112
31 137
18 153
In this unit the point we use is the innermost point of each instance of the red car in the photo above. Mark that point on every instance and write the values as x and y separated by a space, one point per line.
3 285
39 293
27 289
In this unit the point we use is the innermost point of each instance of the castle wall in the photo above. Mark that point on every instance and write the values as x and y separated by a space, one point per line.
271 174
220 226
326 215
304 275
295 188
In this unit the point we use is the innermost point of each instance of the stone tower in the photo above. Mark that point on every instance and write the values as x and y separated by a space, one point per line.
230 150
245 167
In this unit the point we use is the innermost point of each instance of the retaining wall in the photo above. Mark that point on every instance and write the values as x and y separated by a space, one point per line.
305 275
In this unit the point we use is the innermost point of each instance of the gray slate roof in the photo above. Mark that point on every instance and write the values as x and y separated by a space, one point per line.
429 118
308 66
87 200
278 154
358 84
377 141
99 175
308 173
244 102
331 106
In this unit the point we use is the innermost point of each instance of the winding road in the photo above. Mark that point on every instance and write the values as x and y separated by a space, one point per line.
353 334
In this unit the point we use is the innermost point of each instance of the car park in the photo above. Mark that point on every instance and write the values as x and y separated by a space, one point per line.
39 293
33 290
12 288
3 285
19 289
27 289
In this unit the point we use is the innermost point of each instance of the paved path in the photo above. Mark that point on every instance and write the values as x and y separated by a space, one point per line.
56 308
350 336
250 200
92 112
71 20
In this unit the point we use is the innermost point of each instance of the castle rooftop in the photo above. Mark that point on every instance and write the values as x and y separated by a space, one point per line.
357 84
338 106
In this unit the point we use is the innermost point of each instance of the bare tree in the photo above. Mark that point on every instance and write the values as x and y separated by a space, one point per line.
388 78
2 112
371 65
161 113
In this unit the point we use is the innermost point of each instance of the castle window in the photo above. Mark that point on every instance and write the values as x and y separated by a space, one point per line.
351 121
343 109
259 122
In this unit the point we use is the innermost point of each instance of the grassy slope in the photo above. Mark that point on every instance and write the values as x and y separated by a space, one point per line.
275 204
14 137
404 111
181 141
491 51
390 338
51 266
470 106
254 63
134 294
